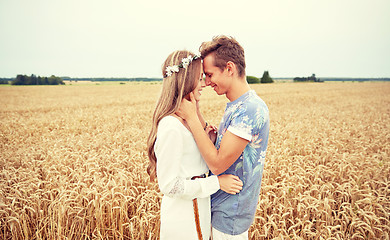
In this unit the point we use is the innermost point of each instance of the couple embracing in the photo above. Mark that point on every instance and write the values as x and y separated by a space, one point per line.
210 177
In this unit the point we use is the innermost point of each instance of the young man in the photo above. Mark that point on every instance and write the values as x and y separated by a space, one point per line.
242 137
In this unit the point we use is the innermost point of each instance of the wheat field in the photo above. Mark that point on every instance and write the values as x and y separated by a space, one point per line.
73 161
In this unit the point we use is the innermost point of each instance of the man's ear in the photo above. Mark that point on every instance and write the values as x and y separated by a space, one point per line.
231 67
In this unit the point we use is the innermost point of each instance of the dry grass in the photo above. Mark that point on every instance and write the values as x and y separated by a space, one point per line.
73 161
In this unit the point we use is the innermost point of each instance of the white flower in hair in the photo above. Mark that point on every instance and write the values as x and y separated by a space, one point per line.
184 64
175 68
186 61
168 71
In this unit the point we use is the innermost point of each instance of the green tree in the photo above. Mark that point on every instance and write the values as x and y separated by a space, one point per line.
266 78
3 81
251 79
34 80
19 80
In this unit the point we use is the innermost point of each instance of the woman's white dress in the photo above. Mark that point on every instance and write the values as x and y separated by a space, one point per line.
178 159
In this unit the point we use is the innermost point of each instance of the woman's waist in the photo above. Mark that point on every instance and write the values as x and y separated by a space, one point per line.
196 174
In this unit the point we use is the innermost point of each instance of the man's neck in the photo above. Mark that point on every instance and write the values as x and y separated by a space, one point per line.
237 89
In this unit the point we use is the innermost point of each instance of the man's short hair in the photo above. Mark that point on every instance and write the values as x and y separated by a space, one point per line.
225 49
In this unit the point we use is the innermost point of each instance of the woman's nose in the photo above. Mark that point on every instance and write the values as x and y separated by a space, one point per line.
207 81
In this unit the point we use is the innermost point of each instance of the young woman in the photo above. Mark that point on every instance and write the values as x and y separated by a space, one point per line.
175 159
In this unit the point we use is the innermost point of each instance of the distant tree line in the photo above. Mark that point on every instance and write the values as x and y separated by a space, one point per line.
356 79
34 80
312 78
144 79
266 78
5 80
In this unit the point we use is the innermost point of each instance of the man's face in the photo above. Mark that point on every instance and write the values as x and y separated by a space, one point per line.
215 78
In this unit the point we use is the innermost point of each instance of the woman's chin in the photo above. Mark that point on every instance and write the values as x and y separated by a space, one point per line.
197 97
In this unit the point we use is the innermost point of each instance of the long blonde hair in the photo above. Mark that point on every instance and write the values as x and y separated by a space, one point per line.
174 88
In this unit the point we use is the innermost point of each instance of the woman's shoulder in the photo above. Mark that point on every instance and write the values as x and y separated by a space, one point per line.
170 122
170 119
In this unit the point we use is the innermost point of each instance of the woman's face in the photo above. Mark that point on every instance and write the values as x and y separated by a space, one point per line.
199 86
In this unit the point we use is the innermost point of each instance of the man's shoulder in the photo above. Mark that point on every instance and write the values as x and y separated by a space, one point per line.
254 104
256 99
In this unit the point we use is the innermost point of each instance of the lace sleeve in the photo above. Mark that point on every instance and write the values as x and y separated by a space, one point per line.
178 188
190 189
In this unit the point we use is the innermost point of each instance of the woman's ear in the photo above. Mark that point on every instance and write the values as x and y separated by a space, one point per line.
188 97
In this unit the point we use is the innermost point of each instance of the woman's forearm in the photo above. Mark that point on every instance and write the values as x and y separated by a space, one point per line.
205 146
200 116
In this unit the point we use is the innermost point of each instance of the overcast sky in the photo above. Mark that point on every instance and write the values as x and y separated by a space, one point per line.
132 38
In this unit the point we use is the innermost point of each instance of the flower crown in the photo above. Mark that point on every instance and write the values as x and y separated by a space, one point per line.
184 64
